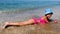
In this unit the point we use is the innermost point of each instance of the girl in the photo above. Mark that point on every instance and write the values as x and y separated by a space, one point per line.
42 20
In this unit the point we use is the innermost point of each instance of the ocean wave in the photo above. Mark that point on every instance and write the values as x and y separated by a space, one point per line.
25 4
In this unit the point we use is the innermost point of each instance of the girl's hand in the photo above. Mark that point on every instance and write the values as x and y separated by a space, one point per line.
55 21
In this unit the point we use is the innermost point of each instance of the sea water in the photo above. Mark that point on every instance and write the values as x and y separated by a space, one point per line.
22 10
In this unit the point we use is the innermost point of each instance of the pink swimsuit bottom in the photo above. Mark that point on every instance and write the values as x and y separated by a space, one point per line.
42 21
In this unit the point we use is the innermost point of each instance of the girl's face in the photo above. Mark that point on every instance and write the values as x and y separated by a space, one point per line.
49 16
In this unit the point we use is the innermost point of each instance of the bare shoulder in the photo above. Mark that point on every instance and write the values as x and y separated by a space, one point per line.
43 17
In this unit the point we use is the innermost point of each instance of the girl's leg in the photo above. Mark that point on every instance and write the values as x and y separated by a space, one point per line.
30 21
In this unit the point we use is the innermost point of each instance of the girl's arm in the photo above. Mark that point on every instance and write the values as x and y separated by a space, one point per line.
46 20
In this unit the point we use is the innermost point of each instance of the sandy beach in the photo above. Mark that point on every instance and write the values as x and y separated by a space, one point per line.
30 29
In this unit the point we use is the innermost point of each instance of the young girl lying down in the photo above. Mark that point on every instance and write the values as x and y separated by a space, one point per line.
42 20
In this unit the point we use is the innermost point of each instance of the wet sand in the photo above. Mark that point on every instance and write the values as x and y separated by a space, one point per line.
30 29
33 29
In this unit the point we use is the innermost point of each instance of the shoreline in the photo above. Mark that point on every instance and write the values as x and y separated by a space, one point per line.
24 15
30 29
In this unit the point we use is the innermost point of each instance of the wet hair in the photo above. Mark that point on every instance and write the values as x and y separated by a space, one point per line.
49 14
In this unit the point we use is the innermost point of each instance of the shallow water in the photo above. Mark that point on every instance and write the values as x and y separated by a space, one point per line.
31 29
17 15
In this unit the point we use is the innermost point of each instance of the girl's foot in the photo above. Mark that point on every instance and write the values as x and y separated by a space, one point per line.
6 23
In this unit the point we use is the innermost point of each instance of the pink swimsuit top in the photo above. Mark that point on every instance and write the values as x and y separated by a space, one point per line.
42 21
